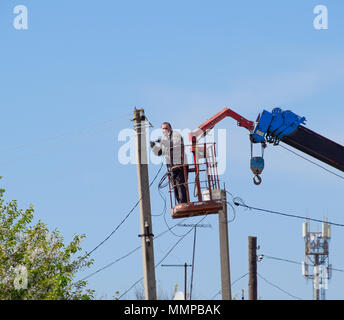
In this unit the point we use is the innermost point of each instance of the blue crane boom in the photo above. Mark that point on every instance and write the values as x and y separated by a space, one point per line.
279 125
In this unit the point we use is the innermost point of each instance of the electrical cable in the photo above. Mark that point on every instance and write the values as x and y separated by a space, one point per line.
232 284
123 257
318 165
167 254
110 264
277 287
37 142
164 208
162 185
52 147
237 203
295 262
55 146
125 218
234 213
280 259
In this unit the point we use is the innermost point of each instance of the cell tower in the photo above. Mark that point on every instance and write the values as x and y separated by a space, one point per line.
317 254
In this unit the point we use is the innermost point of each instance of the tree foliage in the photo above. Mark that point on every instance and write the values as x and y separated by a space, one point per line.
34 262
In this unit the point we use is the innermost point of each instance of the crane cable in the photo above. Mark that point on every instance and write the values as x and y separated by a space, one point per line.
318 165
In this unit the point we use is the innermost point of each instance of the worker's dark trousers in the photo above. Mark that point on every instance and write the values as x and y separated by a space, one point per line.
178 180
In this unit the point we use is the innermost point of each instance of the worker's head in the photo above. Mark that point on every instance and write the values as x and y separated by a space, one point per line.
166 128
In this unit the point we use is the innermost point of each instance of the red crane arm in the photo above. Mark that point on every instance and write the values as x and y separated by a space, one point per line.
209 124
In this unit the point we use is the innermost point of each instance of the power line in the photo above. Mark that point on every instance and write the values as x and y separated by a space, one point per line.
40 141
242 204
279 288
234 213
121 258
163 184
318 165
110 264
51 147
125 218
280 259
56 146
232 284
195 226
295 262
167 254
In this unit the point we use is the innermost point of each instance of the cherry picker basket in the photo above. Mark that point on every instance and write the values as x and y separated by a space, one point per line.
202 185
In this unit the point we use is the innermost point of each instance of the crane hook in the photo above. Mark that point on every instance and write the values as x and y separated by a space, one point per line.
257 164
257 180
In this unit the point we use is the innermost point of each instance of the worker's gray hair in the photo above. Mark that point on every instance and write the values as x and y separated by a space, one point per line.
167 123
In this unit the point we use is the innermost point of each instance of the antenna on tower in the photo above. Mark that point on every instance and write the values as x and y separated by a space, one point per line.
317 254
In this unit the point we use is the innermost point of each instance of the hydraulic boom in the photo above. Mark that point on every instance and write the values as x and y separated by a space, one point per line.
276 126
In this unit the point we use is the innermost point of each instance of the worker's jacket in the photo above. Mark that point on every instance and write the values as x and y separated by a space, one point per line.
172 147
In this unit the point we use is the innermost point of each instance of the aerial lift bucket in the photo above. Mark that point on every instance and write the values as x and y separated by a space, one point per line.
201 177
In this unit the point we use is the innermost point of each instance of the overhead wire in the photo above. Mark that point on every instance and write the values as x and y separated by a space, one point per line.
125 218
64 134
295 262
280 259
234 213
239 202
232 284
110 264
318 165
56 146
51 147
162 260
123 257
279 288
163 184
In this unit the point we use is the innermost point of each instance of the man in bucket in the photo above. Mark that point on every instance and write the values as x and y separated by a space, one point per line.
171 146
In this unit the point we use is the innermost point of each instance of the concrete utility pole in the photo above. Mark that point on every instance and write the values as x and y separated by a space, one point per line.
145 206
252 265
224 250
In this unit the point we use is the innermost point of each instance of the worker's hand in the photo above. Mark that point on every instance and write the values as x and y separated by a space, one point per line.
152 144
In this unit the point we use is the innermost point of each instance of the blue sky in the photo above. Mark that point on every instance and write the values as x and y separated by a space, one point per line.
70 84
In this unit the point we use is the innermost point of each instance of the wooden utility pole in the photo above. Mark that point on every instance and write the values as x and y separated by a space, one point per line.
185 265
224 250
252 265
185 279
145 206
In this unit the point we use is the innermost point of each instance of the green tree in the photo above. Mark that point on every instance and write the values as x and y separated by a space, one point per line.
35 264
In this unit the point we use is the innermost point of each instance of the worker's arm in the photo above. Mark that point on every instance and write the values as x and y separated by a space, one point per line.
156 148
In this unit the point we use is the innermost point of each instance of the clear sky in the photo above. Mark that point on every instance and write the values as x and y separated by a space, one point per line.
70 82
